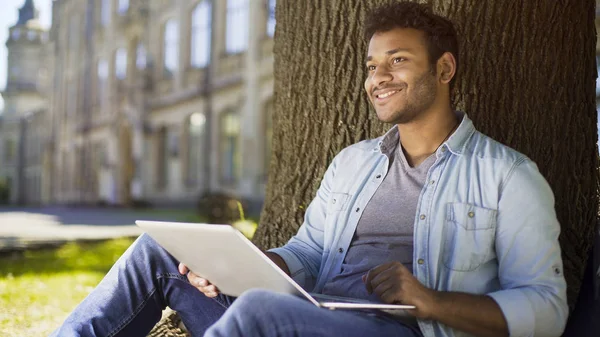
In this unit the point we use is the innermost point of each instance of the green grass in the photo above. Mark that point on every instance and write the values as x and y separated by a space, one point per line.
38 289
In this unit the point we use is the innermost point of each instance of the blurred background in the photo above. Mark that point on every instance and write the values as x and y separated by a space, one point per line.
117 110
135 103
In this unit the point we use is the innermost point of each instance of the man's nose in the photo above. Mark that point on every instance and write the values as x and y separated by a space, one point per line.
381 75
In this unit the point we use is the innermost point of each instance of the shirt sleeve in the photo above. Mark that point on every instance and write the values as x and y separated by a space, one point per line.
533 298
303 253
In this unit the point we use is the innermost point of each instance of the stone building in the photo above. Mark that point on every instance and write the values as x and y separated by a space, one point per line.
159 100
23 124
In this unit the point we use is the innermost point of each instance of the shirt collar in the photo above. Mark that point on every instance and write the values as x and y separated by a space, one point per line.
455 143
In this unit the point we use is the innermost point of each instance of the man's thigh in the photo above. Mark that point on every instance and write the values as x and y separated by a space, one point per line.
264 313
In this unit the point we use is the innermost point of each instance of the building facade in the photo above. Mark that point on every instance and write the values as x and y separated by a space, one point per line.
157 101
23 124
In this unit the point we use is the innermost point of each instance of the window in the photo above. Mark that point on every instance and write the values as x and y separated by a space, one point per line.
102 81
16 33
161 158
230 152
237 26
123 6
105 12
121 63
271 18
31 35
201 35
173 143
195 146
141 58
171 47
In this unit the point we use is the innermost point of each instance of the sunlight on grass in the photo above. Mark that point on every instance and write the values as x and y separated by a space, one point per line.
40 288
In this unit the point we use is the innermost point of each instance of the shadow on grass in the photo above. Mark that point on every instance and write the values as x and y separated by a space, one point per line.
68 258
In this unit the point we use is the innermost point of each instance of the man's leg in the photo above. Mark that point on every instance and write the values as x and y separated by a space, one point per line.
130 299
263 313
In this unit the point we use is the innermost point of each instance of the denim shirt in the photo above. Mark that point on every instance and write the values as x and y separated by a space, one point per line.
485 224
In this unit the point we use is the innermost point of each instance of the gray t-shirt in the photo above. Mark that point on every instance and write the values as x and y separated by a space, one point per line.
385 230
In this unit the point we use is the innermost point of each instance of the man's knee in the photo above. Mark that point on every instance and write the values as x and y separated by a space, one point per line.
257 298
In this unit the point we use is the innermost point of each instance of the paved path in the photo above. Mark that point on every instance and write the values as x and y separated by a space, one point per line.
22 227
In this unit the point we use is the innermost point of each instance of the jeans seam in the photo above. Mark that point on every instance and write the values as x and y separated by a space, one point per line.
133 315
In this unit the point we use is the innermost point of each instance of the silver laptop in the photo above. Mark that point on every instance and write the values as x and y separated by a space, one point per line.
221 254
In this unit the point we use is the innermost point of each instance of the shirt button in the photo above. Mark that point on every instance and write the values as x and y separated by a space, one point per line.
357 209
420 261
378 176
422 217
432 182
471 214
341 250
443 149
333 202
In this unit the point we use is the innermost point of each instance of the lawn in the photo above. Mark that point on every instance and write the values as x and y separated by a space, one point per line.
39 288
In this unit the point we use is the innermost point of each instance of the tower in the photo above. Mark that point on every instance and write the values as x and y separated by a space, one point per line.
23 95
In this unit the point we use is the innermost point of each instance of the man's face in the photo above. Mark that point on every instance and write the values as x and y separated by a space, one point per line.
401 83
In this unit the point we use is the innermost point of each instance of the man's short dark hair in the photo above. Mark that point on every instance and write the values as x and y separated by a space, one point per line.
440 34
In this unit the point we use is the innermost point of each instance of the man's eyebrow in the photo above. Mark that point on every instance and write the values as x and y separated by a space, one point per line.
390 52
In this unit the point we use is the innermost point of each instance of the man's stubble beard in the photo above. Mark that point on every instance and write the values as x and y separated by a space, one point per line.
421 100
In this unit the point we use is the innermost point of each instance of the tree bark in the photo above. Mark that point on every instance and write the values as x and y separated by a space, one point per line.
526 78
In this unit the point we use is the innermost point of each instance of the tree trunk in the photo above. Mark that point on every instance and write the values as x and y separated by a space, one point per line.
527 79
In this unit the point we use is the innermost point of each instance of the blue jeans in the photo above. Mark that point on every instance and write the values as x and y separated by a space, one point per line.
130 299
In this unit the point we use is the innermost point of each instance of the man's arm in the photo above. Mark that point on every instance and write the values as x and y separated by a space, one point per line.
278 261
476 314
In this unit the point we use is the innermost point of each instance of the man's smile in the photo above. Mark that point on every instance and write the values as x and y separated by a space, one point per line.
382 95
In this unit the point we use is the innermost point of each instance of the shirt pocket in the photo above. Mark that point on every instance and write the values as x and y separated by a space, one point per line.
469 235
337 202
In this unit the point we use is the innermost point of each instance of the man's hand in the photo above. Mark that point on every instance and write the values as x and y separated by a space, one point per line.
395 284
202 284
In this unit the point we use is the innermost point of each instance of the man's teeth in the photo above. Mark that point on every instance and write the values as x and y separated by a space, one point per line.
387 94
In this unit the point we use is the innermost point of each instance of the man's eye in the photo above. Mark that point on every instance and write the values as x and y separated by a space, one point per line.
370 68
398 60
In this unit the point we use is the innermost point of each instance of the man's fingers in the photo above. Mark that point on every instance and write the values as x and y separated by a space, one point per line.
381 279
183 269
387 292
373 273
203 285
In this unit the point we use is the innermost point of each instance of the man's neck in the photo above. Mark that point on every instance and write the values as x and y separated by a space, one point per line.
419 139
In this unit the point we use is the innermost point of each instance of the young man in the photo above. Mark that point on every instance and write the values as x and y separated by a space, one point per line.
433 214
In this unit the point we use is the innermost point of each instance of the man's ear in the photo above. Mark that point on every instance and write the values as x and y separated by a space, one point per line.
446 65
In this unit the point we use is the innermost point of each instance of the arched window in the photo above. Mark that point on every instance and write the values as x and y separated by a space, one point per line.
105 11
201 35
237 26
230 149
121 63
102 81
123 6
195 146
171 47
271 17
